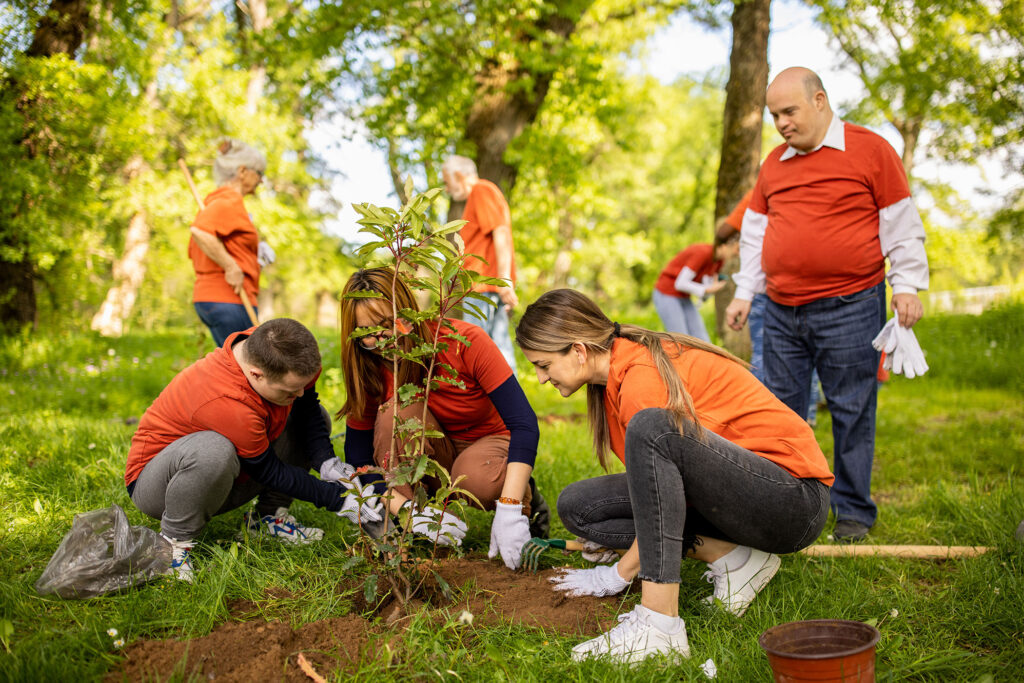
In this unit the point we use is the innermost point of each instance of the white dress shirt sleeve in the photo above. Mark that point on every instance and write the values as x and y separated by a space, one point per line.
685 282
901 235
750 279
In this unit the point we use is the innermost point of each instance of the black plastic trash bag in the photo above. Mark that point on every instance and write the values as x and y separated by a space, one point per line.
102 554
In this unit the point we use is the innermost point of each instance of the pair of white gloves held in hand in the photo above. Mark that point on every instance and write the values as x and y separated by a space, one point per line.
903 354
370 509
600 581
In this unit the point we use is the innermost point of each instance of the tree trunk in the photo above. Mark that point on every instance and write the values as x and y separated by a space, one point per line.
61 30
257 72
128 272
17 286
504 107
326 309
741 136
910 131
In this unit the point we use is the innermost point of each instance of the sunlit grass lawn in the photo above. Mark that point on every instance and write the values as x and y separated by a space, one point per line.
950 454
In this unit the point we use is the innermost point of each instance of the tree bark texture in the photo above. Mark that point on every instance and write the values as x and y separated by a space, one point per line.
741 136
129 272
62 29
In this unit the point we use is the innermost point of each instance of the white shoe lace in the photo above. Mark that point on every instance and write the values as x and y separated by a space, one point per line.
717 576
629 623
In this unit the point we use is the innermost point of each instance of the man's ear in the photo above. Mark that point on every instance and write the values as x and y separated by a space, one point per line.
255 372
820 100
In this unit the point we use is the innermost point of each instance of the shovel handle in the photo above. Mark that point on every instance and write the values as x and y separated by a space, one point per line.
923 552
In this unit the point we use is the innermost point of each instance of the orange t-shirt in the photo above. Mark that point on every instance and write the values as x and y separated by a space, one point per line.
822 208
735 218
728 399
212 394
226 218
466 413
485 210
700 258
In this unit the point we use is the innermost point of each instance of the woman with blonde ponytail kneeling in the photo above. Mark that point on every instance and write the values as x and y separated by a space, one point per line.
717 468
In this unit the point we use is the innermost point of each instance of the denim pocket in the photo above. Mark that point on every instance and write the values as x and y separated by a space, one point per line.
864 295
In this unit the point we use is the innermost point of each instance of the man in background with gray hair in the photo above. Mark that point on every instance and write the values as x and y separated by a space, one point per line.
487 235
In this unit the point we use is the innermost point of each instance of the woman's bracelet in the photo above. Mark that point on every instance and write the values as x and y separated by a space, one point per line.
509 501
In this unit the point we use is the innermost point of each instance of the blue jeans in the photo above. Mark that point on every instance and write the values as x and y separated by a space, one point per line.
677 487
223 319
756 322
680 315
496 325
833 335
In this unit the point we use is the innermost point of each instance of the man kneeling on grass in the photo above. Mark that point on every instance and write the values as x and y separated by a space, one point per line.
244 421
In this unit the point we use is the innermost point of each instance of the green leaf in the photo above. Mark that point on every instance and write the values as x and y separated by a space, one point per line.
409 392
446 590
351 562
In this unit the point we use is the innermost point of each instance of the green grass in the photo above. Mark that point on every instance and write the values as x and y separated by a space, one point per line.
948 470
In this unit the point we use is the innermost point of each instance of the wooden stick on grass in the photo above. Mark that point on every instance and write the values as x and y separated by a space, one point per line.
922 552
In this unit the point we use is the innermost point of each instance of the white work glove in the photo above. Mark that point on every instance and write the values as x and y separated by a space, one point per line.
600 581
265 254
443 528
370 509
510 531
903 354
596 553
909 358
885 340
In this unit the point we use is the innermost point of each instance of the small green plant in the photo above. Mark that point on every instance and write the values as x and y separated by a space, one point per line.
421 253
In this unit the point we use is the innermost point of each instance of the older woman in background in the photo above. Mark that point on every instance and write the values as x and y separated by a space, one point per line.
225 248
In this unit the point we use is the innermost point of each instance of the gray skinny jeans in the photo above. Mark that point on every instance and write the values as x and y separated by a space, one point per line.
676 488
194 478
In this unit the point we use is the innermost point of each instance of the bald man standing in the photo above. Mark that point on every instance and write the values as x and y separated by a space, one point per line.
829 207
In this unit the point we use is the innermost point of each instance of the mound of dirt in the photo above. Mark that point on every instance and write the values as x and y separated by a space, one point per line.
261 650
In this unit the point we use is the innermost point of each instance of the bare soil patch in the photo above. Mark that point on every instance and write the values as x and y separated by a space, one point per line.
259 650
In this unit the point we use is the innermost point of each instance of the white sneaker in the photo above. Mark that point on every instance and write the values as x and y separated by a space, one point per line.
282 526
736 589
181 560
634 639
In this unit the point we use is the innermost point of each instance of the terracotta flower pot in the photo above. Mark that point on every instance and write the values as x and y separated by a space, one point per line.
821 650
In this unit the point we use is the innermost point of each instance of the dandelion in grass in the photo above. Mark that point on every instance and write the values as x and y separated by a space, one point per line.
894 613
466 618
119 643
112 632
91 446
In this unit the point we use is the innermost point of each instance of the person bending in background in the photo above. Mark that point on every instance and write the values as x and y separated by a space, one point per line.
490 430
244 422
225 248
717 468
692 273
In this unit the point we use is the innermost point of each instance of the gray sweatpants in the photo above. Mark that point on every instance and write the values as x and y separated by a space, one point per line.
194 478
